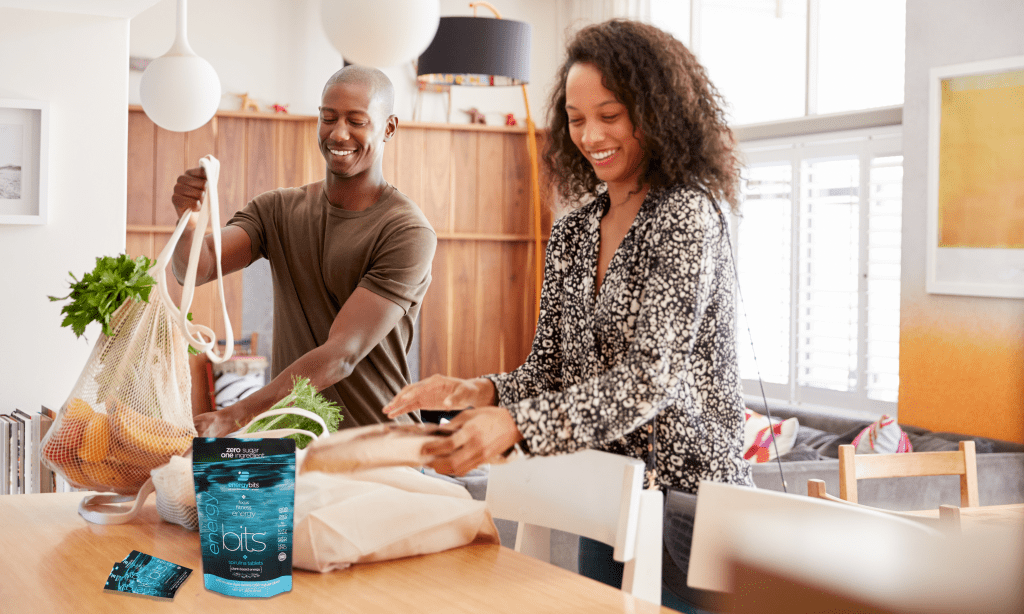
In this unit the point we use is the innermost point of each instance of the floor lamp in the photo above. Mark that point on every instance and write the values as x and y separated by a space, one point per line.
476 51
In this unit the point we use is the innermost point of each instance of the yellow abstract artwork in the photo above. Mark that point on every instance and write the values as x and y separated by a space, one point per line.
981 161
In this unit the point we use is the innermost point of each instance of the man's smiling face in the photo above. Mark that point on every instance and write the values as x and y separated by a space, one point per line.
352 128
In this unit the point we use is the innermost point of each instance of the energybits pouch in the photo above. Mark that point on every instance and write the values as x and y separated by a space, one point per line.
245 496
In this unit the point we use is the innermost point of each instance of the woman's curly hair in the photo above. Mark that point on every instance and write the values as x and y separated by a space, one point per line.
671 102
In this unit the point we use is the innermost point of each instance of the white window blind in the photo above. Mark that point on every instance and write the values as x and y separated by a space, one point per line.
764 245
818 253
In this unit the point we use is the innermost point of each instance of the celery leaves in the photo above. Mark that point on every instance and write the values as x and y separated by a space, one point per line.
304 396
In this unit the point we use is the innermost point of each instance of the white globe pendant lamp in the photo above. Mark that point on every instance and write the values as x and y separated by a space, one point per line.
180 91
383 33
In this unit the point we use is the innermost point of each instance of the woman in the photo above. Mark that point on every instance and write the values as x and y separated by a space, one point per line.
635 350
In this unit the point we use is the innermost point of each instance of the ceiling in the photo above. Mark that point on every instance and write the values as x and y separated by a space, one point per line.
104 8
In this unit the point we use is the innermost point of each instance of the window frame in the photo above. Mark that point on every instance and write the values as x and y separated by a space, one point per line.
874 134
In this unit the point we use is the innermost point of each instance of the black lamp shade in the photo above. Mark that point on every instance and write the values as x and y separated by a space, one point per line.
477 51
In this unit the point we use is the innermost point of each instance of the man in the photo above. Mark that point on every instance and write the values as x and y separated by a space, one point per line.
350 256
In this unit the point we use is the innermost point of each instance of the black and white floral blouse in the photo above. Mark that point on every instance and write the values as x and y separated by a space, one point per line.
655 346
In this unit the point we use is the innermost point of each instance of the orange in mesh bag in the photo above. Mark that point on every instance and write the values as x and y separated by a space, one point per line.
130 410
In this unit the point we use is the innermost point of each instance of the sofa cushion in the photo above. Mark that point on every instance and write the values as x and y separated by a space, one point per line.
761 439
883 436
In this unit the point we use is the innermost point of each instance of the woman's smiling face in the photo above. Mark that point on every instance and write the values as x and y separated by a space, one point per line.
600 127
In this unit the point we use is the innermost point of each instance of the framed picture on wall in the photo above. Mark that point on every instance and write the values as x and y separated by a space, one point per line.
976 179
23 161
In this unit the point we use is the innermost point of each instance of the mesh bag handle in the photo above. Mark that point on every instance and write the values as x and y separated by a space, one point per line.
298 411
200 337
107 508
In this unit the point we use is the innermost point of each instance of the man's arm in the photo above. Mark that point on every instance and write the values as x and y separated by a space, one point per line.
364 320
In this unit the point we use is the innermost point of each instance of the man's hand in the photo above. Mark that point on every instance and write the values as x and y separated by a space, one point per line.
189 191
480 435
442 392
220 423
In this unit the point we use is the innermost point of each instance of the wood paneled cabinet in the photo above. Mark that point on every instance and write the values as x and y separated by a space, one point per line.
472 182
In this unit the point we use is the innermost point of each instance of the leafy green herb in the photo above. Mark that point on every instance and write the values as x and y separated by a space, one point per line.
304 396
191 350
100 292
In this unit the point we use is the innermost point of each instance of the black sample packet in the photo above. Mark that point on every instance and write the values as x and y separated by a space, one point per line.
144 574
245 495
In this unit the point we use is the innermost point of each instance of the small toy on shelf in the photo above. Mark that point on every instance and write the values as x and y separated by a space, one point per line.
279 108
475 116
510 120
248 104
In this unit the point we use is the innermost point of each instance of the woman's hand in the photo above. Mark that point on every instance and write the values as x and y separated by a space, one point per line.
442 392
480 435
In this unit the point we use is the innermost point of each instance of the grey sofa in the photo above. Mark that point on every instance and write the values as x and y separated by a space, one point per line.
815 455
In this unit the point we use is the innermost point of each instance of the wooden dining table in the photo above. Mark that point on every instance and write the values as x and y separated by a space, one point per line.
52 560
983 517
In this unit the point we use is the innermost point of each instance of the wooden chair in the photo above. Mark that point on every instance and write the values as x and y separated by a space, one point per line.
590 493
243 347
204 396
853 467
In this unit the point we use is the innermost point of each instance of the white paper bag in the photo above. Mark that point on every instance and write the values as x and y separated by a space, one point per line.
382 514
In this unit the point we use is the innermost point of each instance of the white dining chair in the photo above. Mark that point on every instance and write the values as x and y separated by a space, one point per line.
773 552
590 493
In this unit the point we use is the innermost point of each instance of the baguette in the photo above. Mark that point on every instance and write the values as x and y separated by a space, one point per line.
369 447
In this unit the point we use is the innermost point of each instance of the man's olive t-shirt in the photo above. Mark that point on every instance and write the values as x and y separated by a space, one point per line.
319 254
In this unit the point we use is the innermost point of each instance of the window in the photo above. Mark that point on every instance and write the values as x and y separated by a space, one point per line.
818 245
782 59
755 52
818 254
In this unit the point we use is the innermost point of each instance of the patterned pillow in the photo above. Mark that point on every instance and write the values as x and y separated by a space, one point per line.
883 436
758 436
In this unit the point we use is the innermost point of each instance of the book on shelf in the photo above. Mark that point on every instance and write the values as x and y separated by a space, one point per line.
15 463
5 456
47 478
21 467
29 451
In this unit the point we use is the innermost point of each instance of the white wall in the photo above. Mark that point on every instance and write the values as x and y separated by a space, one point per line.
77 64
277 52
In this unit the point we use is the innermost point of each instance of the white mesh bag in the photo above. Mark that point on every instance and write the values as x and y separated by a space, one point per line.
175 486
130 410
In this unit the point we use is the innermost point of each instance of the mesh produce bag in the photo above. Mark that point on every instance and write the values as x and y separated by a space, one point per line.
131 409
173 481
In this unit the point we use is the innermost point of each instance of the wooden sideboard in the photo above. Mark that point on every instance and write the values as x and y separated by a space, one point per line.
472 182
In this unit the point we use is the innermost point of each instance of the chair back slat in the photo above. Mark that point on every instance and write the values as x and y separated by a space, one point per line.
853 467
909 465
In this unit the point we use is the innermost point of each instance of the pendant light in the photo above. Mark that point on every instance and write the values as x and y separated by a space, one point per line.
383 33
180 91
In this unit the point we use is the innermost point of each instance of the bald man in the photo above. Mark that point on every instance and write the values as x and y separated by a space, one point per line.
350 257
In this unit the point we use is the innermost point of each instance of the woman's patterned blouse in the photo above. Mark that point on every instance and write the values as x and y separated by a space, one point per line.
655 346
